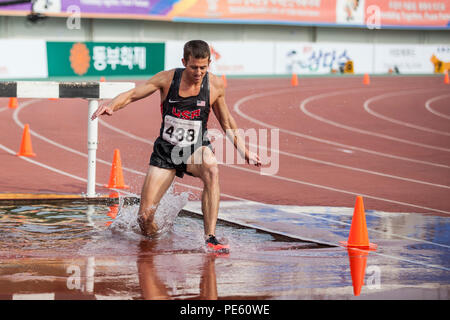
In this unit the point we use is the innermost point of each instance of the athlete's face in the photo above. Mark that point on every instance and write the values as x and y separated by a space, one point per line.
196 68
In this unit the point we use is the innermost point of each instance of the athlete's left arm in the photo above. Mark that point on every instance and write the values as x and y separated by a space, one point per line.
229 125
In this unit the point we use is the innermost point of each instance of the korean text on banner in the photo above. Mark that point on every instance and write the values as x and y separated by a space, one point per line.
321 58
104 59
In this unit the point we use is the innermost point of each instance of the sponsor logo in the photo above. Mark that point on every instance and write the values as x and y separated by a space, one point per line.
186 114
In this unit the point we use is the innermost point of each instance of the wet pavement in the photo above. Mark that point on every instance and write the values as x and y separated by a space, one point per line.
93 252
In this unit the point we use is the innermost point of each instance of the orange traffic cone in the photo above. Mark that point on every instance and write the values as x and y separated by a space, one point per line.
366 79
224 79
358 261
113 211
116 176
446 80
358 237
12 104
294 80
114 195
25 147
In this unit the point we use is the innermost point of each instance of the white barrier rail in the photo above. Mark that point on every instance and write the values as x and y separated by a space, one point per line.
92 91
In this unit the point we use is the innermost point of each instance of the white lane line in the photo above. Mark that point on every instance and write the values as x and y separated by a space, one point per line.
44 165
399 122
232 197
361 131
304 182
125 133
286 179
325 141
61 172
56 144
294 156
333 164
344 191
298 181
15 117
439 114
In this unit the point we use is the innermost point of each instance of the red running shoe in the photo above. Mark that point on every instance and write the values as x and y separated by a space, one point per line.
215 246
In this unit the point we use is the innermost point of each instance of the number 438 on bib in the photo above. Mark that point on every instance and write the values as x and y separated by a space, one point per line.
181 132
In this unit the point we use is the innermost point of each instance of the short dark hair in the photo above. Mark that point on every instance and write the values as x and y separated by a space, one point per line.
198 49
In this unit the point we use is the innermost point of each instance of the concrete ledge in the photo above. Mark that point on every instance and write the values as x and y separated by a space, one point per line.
40 198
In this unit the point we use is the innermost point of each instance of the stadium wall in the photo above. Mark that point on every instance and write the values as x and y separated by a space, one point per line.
264 50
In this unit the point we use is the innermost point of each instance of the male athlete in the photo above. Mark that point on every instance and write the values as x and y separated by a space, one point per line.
187 94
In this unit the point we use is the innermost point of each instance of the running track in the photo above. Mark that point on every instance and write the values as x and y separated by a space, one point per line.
389 142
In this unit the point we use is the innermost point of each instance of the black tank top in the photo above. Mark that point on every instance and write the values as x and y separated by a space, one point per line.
184 119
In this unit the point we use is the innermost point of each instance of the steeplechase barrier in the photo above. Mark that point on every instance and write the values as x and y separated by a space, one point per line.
91 91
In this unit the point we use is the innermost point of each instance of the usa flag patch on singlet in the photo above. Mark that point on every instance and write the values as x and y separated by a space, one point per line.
201 103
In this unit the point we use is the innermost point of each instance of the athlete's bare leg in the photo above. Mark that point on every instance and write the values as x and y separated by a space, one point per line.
156 183
203 164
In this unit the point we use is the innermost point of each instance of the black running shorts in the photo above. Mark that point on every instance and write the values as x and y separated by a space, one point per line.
166 155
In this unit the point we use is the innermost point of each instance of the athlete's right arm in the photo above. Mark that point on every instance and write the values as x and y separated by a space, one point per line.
157 82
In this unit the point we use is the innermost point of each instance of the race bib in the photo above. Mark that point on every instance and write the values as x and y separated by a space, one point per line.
181 132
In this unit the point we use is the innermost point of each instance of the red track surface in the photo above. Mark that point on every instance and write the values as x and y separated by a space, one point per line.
389 141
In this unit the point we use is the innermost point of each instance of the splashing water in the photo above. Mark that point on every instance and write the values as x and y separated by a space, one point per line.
166 213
